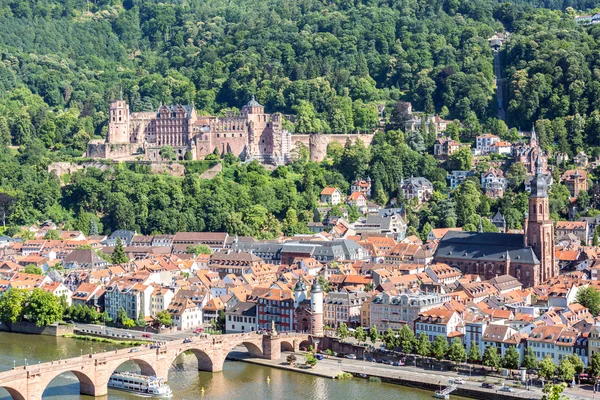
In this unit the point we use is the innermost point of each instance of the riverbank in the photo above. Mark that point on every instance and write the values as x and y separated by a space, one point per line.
105 340
330 368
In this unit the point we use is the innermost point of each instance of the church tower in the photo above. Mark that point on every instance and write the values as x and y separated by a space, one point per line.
539 232
118 122
316 305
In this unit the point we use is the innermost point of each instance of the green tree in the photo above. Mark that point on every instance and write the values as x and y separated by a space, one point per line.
33 269
389 338
474 353
12 305
457 352
406 339
167 153
511 359
118 256
342 331
530 360
373 334
360 334
594 364
546 368
589 298
121 315
423 347
52 235
516 174
462 159
491 358
553 392
565 370
43 308
577 363
440 347
198 249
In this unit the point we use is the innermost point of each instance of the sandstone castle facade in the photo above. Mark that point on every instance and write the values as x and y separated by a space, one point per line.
250 134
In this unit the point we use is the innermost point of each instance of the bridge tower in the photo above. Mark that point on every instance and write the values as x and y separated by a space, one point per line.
316 305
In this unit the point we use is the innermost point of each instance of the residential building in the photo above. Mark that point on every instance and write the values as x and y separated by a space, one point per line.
579 229
575 180
84 258
362 186
456 177
439 321
493 183
483 143
444 147
276 306
555 341
161 299
185 314
357 199
581 160
133 296
331 195
393 225
241 318
387 311
89 294
417 188
344 308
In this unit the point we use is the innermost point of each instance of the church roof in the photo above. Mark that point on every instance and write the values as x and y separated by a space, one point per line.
486 246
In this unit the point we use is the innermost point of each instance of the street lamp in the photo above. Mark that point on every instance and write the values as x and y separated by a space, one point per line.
14 364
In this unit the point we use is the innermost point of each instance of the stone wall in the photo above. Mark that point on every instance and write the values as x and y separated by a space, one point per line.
31 328
317 143
334 344
101 149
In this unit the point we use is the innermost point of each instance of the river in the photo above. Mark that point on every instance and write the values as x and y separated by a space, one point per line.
238 380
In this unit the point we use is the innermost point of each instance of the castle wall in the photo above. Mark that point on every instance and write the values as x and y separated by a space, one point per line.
317 143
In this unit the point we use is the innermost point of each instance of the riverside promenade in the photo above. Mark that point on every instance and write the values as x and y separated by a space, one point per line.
410 376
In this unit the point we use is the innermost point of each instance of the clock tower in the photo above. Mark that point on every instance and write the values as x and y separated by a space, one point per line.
539 232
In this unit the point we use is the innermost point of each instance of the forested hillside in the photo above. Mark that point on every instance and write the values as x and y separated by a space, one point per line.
62 61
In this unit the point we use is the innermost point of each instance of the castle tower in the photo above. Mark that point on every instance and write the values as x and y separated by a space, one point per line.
299 293
540 229
118 122
316 306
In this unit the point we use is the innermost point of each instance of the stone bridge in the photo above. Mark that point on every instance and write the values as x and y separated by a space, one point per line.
94 370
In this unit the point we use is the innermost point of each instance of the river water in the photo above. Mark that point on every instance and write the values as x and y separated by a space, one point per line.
238 380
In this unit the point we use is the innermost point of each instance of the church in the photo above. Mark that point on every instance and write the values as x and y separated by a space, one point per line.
529 257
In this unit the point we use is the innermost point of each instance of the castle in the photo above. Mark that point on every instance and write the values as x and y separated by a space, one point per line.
250 134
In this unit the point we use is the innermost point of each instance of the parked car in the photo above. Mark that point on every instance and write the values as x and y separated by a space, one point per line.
396 364
351 356
319 356
145 335
506 389
155 346
134 350
458 381
487 385
387 362
187 340
198 330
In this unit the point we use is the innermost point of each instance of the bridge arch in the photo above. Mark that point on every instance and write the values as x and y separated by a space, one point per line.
14 393
87 385
287 345
146 368
205 362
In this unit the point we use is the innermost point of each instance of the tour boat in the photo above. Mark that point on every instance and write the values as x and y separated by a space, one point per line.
440 395
146 386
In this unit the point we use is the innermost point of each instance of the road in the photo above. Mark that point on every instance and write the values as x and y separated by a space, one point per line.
499 86
101 330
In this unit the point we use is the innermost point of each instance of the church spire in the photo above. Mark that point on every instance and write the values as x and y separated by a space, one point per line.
533 142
